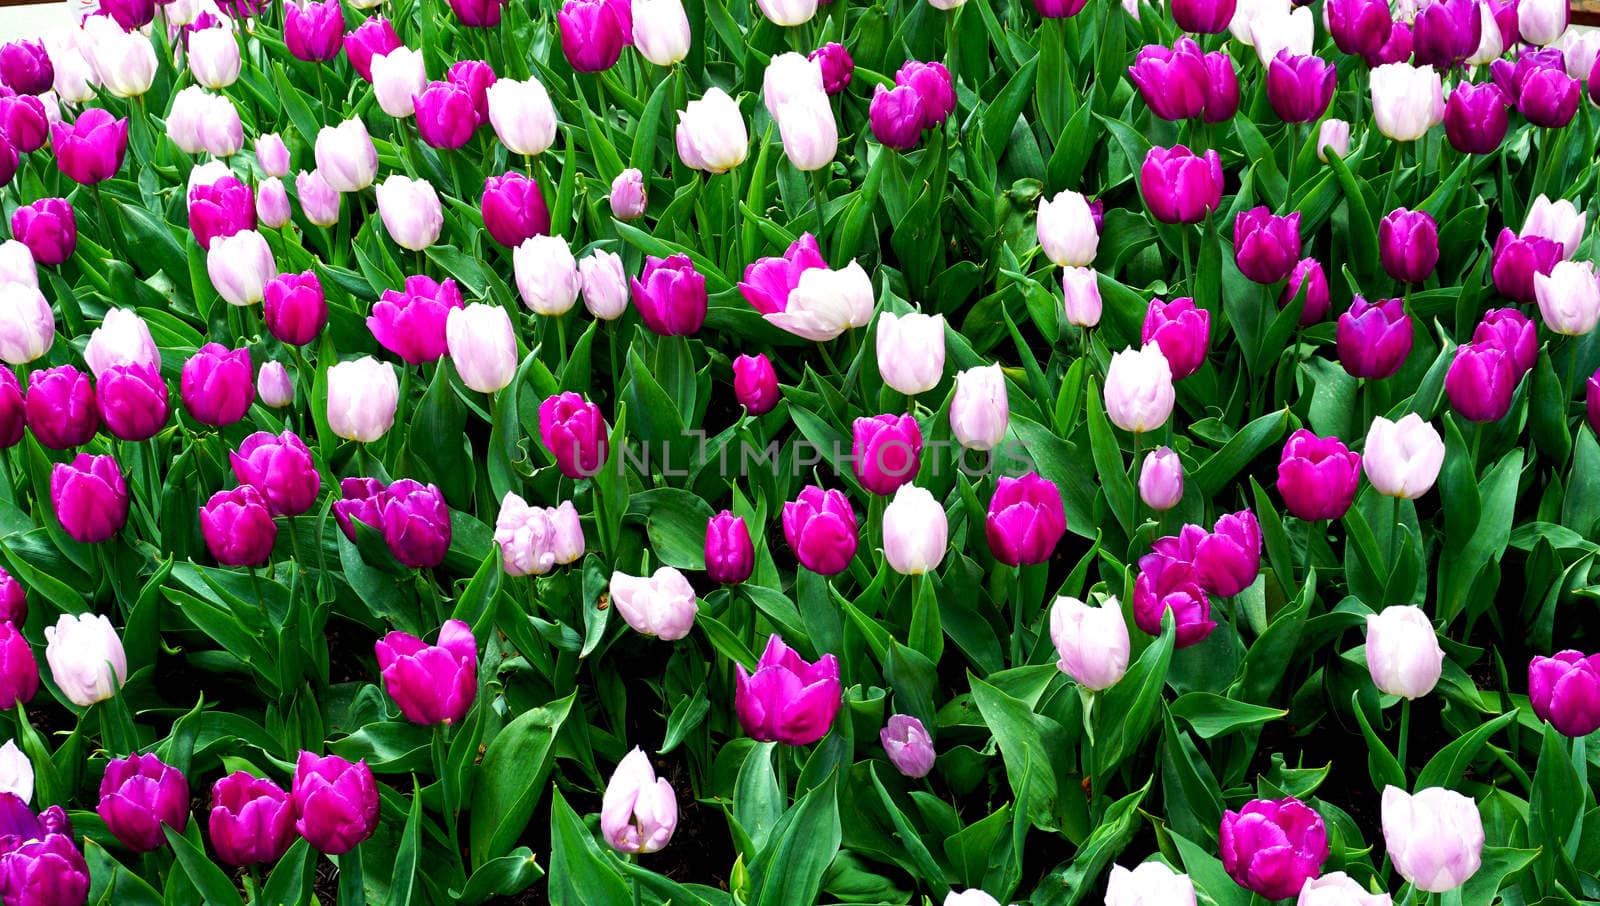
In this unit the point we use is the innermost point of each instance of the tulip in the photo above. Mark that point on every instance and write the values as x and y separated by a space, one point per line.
1513 333
1591 402
1221 87
662 605
360 500
86 659
1403 653
546 274
1299 87
1403 458
670 295
25 67
373 38
416 523
1374 340
13 599
980 409
412 324
909 747
397 78
1317 476
1026 520
810 135
27 324
627 196
25 122
1549 98
90 149
820 527
788 12
477 13
1172 82
1091 642
911 351
75 77
1138 394
221 209
1481 381
592 34
575 434
1558 221
318 200
1165 584
446 114
48 228
1581 49
605 285
768 282
729 553
1542 22
17 264
138 794
90 499
1080 289
1518 260
1569 297
240 266
130 14
314 31
787 699
483 346
60 407
825 303
19 681
1271 27
132 399
789 77
534 540
1053 9
1513 77
915 531
346 158
522 115
1181 331
1358 26
411 211
216 385
1151 884
431 684
1339 889
335 802
886 452
214 57
1273 846
711 133
252 820
837 66
294 307
16 771
477 77
1180 186
124 62
755 384
661 31
13 410
896 117
1435 837
280 467
1206 17
1406 100
1408 242
272 203
1067 231
238 527
1447 32
639 811
1307 277
362 396
1161 479
934 87
45 870
514 209
273 385
1565 690
1228 559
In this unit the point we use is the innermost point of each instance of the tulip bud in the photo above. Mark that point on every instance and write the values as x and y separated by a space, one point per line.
661 31
628 195
911 351
788 12
335 802
1161 479
1180 186
16 771
514 209
980 408
1569 297
1333 135
1167 584
934 87
1266 247
886 452
1067 231
1406 100
272 203
1481 381
1403 653
522 115
1339 889
238 528
240 266
1513 333
346 158
217 386
534 540
313 30
220 209
1403 458
1565 690
397 77
593 33
132 399
605 285
915 531
825 303
60 407
86 659
89 150
252 820
48 228
90 499
412 324
810 135
670 295
281 469
411 211
362 397
1317 476
1434 837
138 794
476 76
431 684
318 200
25 122
26 67
19 682
1276 28
662 605
27 324
730 555
1080 288
788 699
1492 43
13 600
789 77
1172 81
272 154
1542 22
820 527
124 62
547 275
1358 26
711 134
1151 884
755 384
1308 277
1475 118
575 434
1092 642
17 265
837 66
483 346
1447 32
214 57
639 811
1026 520
1273 846
1519 259
375 37
896 117
1591 403
909 747
1409 245
416 523
1138 392
1374 340
1181 331
273 385
294 307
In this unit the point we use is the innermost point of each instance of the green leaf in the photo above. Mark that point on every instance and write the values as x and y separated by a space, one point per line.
1021 736
1069 884
206 877
506 876
290 881
1128 709
1212 715
403 881
581 873
512 779
1383 767
1449 767
790 868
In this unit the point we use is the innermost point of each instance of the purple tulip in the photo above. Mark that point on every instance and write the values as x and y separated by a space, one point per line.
1549 98
1229 558
1475 118
138 794
896 117
1317 476
837 66
755 384
373 38
1059 9
885 452
1518 258
1222 88
1505 18
431 684
670 295
1172 80
1026 520
730 555
19 671
13 410
1168 584
1180 186
1300 88
592 34
909 747
1565 690
25 67
1182 330
252 820
476 76
575 433
1512 76
13 599
1591 401
820 527
477 13
294 307
313 31
934 88
1512 332
787 699
90 149
769 281
1273 846
1397 49
130 14
60 407
1307 275
1265 247
1374 340
1408 243
1481 381
133 401
44 870
281 468
238 527
335 802
221 208
90 497
360 500
48 228
1206 17
514 209
1359 26
416 523
217 385
1446 32
447 114
24 122
411 323
19 822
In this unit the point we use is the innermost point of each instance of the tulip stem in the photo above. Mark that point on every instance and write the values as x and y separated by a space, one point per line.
1188 265
819 193
1015 594
1395 528
1405 730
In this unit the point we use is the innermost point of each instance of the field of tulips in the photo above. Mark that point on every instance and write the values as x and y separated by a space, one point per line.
1008 451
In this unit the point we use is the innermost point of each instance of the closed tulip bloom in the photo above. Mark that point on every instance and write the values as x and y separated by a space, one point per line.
1559 221
915 531
789 77
90 498
730 554
416 523
826 303
133 401
374 37
980 409
1138 394
1172 80
670 295
820 527
1373 340
514 209
280 467
788 12
1406 100
1280 29
909 747
1180 186
240 266
346 158
605 285
251 820
768 282
19 681
1358 26
27 324
1308 278
238 527
1434 837
1161 479
1067 230
1228 559
272 203
639 811
214 57
1080 291
1481 381
711 134
1403 458
1549 98
663 605
1403 653
446 114
1091 642
294 307
1299 87
25 122
896 117
522 115
60 407
217 384
431 684
627 196
1222 88
221 209
26 67
1513 333
787 699
397 78
1026 520
139 794
1569 297
313 31
477 13
1565 690
837 66
411 211
273 385
575 434
360 501
1206 17
13 600
886 452
592 34
74 75
661 31
413 323
45 869
87 662
124 62
1492 43
13 410
1333 135
17 264
1542 22
318 200
16 772
48 228
1518 260
810 135
1165 584
483 346
1151 884
911 351
1446 32
934 87
362 396
1181 331
130 14
755 384
1581 50
90 150
1317 476
1408 242
1273 846
335 802
1339 889
546 275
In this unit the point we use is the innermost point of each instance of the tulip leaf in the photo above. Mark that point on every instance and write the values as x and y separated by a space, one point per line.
512 780
403 882
1382 766
1555 810
1069 884
1211 715
503 877
1022 737
1449 767
1500 865
1209 877
206 877
1127 710
803 843
1251 441
912 839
